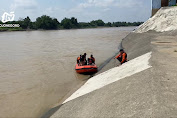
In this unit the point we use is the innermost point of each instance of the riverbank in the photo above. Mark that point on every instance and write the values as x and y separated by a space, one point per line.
111 63
149 93
20 29
11 29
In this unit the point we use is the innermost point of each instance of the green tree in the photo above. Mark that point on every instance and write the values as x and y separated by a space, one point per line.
109 24
93 23
97 23
100 23
66 23
84 25
25 23
46 22
74 22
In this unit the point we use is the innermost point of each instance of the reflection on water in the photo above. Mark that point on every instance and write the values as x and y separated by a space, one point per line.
37 67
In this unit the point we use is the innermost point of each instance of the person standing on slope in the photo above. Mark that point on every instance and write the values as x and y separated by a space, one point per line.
122 57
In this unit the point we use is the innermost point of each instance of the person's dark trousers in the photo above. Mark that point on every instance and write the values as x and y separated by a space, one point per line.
119 58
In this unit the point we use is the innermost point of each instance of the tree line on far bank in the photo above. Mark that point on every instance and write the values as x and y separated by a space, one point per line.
47 23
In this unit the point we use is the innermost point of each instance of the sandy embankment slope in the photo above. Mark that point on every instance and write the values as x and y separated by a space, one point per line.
151 92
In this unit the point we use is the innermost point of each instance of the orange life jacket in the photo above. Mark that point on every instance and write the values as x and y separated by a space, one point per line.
92 60
123 56
78 58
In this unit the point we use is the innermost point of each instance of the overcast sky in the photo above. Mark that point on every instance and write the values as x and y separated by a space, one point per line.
83 10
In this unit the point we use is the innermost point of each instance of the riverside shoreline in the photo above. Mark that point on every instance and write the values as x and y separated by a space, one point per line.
13 29
149 93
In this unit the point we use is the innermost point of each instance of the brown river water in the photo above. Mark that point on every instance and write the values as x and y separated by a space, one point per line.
37 67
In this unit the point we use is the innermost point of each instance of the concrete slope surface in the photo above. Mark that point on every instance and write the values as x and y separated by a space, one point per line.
149 93
131 67
164 20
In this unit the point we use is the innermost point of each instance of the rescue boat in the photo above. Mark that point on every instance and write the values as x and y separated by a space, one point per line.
86 69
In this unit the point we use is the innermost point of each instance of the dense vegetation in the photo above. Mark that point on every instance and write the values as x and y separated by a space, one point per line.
48 23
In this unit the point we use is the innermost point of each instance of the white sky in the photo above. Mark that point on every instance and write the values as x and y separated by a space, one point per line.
83 10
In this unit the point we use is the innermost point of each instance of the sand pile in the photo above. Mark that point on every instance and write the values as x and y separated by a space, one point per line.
164 20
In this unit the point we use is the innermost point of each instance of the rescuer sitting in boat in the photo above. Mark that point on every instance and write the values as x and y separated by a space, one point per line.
122 57
83 68
85 58
79 59
82 60
91 60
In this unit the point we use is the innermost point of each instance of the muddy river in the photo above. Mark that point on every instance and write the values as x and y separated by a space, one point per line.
37 67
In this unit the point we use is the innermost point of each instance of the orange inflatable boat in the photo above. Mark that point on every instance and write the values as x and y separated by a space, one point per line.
86 69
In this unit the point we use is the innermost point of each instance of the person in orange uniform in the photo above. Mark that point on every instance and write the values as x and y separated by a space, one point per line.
78 59
91 60
122 57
